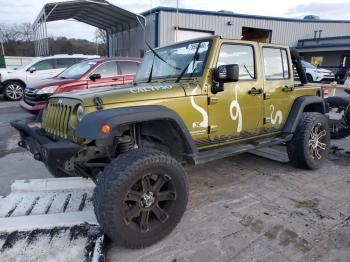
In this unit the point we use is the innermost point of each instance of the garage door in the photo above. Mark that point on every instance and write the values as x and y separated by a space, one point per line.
190 34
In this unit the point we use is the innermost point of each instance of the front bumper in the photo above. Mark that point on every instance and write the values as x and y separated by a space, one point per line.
33 109
325 78
52 153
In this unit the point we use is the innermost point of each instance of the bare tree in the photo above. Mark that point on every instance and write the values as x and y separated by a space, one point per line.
17 32
101 36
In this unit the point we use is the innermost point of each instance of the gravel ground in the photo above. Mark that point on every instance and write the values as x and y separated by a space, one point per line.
242 208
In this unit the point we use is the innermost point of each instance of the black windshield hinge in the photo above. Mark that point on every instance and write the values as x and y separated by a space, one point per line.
98 102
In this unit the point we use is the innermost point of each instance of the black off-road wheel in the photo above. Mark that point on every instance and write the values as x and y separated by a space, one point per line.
311 141
13 91
339 126
140 197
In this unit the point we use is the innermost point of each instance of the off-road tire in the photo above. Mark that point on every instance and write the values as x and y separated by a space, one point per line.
13 86
338 128
298 148
119 178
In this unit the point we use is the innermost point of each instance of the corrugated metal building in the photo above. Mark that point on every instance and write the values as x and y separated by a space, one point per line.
161 29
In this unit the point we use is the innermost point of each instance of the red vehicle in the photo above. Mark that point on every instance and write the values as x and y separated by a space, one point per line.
92 73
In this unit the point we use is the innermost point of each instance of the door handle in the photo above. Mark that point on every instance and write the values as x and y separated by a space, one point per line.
288 89
255 91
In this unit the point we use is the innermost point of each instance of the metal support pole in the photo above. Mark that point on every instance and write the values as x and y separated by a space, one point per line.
2 42
47 52
177 20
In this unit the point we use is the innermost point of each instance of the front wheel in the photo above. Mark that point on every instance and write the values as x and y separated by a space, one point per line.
140 197
311 141
13 91
309 78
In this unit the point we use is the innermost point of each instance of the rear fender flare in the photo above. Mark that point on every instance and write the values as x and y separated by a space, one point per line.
299 106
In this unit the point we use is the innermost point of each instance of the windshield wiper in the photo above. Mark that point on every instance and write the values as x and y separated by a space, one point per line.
151 72
194 58
161 58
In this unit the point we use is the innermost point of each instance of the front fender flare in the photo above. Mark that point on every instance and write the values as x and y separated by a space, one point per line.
89 127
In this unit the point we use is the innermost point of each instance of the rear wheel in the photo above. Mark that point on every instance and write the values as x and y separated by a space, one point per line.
13 91
311 140
140 197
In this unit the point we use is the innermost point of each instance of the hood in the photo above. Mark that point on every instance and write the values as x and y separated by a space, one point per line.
50 82
326 71
112 95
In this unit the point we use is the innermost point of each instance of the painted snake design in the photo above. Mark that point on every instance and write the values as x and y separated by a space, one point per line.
278 116
238 114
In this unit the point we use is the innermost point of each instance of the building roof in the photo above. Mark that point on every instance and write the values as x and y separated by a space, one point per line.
232 14
98 13
335 43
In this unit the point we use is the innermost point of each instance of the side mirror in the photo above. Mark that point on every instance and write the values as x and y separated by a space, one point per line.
93 77
32 70
226 73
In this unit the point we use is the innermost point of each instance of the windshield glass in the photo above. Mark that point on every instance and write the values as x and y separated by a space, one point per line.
308 65
77 70
177 57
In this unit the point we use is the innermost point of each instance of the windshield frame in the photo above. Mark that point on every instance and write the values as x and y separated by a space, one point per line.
191 75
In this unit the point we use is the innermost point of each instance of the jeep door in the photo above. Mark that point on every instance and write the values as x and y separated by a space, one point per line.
278 86
109 75
237 112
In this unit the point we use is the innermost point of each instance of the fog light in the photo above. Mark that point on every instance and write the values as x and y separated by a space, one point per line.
105 129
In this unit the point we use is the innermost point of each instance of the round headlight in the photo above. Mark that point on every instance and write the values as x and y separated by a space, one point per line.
80 112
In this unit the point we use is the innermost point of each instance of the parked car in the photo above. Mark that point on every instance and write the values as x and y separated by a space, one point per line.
13 82
315 74
90 73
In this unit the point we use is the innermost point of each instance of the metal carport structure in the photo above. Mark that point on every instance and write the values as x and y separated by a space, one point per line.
97 13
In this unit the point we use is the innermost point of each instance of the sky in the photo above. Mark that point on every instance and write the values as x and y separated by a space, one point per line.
19 11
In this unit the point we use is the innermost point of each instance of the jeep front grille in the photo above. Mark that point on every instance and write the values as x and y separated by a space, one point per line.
56 120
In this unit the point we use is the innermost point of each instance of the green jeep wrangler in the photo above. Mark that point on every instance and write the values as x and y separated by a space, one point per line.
191 102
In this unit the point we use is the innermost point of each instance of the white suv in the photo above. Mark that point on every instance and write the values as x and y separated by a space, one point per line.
13 82
315 74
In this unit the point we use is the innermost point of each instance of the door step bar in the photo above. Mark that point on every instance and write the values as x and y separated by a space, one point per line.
216 154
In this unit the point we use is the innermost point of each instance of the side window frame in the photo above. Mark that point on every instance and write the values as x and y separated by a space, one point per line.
282 63
287 62
254 59
53 62
64 58
120 67
104 63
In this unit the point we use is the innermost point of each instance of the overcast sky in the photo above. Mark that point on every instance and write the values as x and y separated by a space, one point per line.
18 11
